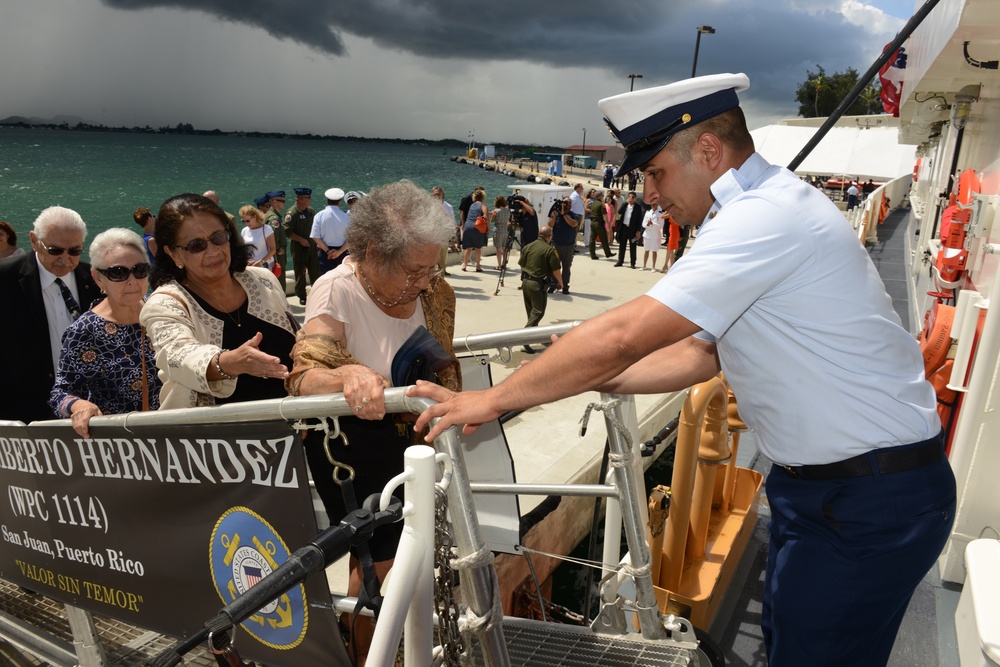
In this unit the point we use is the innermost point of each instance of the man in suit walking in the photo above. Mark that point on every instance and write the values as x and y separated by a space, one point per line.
629 229
41 294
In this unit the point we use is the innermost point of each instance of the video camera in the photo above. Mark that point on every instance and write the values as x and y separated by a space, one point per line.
516 206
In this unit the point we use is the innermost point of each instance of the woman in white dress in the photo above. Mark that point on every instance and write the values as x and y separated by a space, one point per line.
257 236
652 235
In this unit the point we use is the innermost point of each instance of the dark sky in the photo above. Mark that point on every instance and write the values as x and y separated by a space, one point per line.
514 71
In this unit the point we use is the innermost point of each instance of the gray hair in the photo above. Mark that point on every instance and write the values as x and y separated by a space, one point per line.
110 240
58 217
393 219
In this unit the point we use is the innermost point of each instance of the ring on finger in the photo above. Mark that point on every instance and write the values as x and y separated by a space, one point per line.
357 408
364 401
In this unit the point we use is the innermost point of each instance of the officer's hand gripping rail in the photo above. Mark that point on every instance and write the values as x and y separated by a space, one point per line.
329 546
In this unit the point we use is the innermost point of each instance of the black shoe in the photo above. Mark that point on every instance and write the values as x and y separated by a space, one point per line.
529 349
302 302
632 267
619 264
551 289
593 257
565 290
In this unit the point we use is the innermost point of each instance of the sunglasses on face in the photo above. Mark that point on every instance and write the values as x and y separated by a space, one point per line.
119 274
200 245
75 251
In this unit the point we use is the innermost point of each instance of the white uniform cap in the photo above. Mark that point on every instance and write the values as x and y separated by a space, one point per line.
644 121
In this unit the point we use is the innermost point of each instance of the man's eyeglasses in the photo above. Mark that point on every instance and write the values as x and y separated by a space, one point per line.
75 251
200 245
119 274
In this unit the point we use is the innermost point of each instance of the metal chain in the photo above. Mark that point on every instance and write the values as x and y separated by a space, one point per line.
444 594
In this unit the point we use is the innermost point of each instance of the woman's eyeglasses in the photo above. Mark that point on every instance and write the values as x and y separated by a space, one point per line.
75 251
200 245
431 275
119 274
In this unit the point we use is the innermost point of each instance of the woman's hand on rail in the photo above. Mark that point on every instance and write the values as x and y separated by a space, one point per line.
364 391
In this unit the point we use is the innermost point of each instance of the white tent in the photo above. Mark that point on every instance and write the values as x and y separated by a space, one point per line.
845 151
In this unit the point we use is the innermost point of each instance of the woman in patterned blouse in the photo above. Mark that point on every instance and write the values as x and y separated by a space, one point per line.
106 365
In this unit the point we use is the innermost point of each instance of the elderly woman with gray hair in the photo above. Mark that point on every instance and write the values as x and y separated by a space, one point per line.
358 316
107 364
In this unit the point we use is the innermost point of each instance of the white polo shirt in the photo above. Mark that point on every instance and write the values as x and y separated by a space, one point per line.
806 334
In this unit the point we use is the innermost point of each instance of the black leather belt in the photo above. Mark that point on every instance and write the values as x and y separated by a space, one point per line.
880 461
525 276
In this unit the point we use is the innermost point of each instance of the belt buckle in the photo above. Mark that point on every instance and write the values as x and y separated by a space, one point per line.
792 471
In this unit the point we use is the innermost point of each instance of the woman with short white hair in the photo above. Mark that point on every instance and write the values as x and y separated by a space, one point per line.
107 365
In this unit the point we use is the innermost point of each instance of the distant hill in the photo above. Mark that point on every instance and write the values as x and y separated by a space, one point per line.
34 120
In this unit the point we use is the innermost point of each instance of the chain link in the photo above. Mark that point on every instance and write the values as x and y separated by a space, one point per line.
444 594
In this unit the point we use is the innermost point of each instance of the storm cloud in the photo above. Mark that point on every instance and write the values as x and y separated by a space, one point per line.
517 71
655 35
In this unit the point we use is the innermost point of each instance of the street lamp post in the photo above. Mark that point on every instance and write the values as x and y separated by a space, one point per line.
702 29
584 149
633 77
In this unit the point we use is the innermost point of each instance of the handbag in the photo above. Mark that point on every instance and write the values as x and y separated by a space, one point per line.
276 270
419 358
481 225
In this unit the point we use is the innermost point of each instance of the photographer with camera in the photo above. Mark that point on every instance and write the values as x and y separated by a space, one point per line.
526 218
563 224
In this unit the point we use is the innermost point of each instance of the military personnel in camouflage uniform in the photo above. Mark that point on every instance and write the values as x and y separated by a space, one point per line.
273 219
539 265
298 225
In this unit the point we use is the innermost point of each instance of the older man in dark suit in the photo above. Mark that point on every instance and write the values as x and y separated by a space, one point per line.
629 229
41 294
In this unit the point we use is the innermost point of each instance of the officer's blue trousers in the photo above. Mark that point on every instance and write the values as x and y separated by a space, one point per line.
845 557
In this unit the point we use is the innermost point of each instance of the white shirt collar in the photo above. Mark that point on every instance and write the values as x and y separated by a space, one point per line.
46 278
735 182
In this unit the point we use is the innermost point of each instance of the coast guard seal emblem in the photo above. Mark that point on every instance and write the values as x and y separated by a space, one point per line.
244 550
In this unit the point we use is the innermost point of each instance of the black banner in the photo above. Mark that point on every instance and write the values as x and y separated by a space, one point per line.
160 527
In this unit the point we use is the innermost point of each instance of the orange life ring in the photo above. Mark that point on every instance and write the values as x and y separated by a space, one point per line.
935 343
935 338
947 400
968 185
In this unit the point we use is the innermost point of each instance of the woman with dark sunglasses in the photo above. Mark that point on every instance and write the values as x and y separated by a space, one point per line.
106 365
221 329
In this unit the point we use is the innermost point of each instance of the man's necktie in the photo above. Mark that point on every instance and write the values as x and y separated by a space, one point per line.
71 305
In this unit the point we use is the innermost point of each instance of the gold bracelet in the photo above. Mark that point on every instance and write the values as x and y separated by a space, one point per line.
218 366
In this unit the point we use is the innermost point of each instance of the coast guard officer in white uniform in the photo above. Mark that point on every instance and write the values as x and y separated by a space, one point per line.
779 294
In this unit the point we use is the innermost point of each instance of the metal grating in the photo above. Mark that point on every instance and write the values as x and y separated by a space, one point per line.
537 644
125 645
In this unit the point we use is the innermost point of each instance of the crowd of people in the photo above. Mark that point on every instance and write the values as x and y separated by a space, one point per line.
218 328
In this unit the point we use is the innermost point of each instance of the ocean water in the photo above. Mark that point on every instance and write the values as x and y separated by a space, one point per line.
106 176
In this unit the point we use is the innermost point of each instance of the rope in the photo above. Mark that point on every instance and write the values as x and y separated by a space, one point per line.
607 407
491 618
481 558
597 565
621 460
635 571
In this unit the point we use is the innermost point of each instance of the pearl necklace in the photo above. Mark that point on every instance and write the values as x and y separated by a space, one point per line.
373 294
